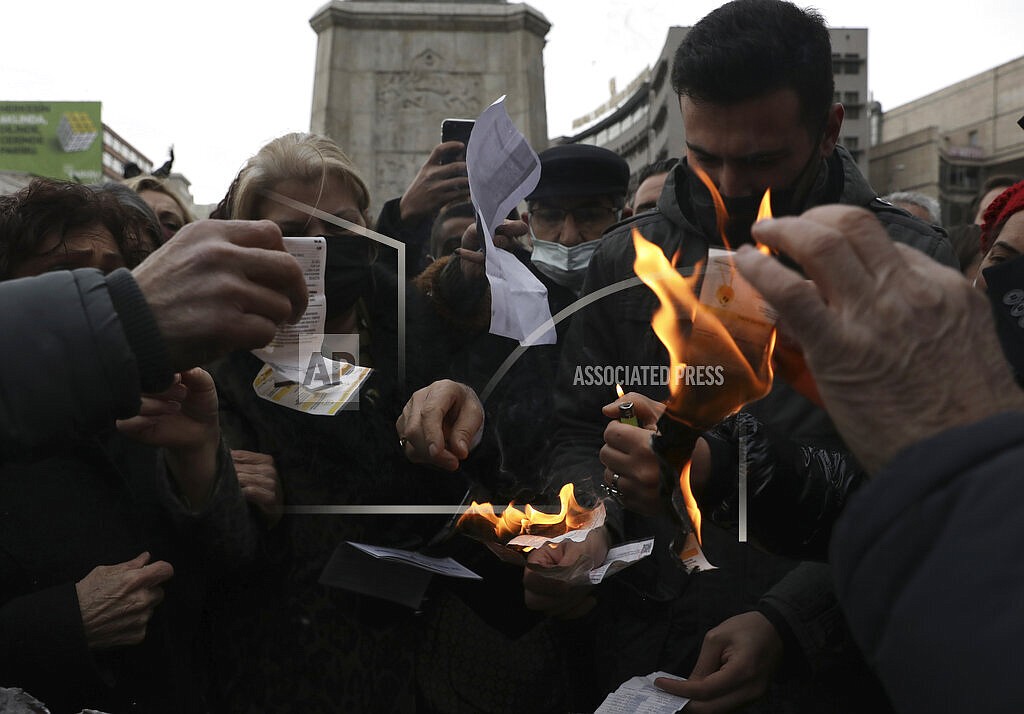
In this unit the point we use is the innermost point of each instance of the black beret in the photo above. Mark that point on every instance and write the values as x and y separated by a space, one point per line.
580 170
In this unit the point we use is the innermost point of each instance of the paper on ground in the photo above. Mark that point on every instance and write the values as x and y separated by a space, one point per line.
503 170
621 557
639 696
440 566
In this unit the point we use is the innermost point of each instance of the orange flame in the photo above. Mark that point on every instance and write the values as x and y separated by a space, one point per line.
764 211
693 334
721 215
691 502
481 521
618 390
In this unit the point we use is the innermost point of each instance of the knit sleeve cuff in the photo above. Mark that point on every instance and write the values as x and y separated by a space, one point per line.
141 331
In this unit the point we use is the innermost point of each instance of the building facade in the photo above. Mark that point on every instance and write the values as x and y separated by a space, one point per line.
117 152
947 143
643 123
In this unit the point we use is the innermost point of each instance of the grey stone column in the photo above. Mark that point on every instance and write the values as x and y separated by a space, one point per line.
388 73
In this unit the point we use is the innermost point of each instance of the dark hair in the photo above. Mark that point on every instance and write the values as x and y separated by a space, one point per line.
997 181
146 218
654 168
46 206
460 209
749 48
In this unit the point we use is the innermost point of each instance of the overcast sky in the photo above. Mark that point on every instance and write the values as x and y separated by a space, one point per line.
218 78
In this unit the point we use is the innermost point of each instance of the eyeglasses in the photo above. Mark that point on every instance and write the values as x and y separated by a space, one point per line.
588 219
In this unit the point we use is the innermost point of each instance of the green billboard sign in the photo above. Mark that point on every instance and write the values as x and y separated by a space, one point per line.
61 140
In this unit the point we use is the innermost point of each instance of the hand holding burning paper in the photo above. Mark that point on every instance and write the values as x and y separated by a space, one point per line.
729 329
557 578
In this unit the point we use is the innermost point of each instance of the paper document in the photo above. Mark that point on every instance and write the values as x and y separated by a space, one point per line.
639 696
439 566
621 557
503 170
297 375
283 350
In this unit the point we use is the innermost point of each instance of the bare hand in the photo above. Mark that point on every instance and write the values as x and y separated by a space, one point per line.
441 424
260 483
472 259
736 663
184 416
184 420
901 347
435 184
117 601
219 286
627 453
556 581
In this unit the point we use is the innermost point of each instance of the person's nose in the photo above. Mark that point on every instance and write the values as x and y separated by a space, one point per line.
570 234
733 182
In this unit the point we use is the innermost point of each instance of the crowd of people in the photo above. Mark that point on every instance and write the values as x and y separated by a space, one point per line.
164 529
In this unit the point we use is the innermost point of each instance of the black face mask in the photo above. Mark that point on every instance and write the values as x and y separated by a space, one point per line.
1006 294
347 274
743 210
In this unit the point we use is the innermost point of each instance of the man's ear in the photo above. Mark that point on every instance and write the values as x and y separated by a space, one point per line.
833 125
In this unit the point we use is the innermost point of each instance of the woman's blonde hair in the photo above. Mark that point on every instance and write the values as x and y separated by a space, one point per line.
296 156
152 183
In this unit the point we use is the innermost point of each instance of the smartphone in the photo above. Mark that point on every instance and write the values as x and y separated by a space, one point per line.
456 130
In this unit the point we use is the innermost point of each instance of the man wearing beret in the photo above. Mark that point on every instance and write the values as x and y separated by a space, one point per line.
581 193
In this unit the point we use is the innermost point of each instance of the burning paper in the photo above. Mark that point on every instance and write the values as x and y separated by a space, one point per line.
728 331
528 527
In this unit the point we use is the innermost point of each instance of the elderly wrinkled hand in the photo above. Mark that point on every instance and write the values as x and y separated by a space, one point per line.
219 286
901 347
117 601
441 424
260 483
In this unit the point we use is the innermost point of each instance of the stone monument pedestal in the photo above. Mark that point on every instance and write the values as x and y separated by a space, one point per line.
388 73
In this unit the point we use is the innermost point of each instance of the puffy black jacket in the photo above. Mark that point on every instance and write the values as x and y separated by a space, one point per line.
927 561
615 330
77 347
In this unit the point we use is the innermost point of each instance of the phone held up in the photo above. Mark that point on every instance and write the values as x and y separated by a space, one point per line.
456 130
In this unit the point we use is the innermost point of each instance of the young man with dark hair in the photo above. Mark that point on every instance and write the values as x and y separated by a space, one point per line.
649 182
755 89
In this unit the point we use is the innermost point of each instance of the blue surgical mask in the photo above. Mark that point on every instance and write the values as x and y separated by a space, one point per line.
565 265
